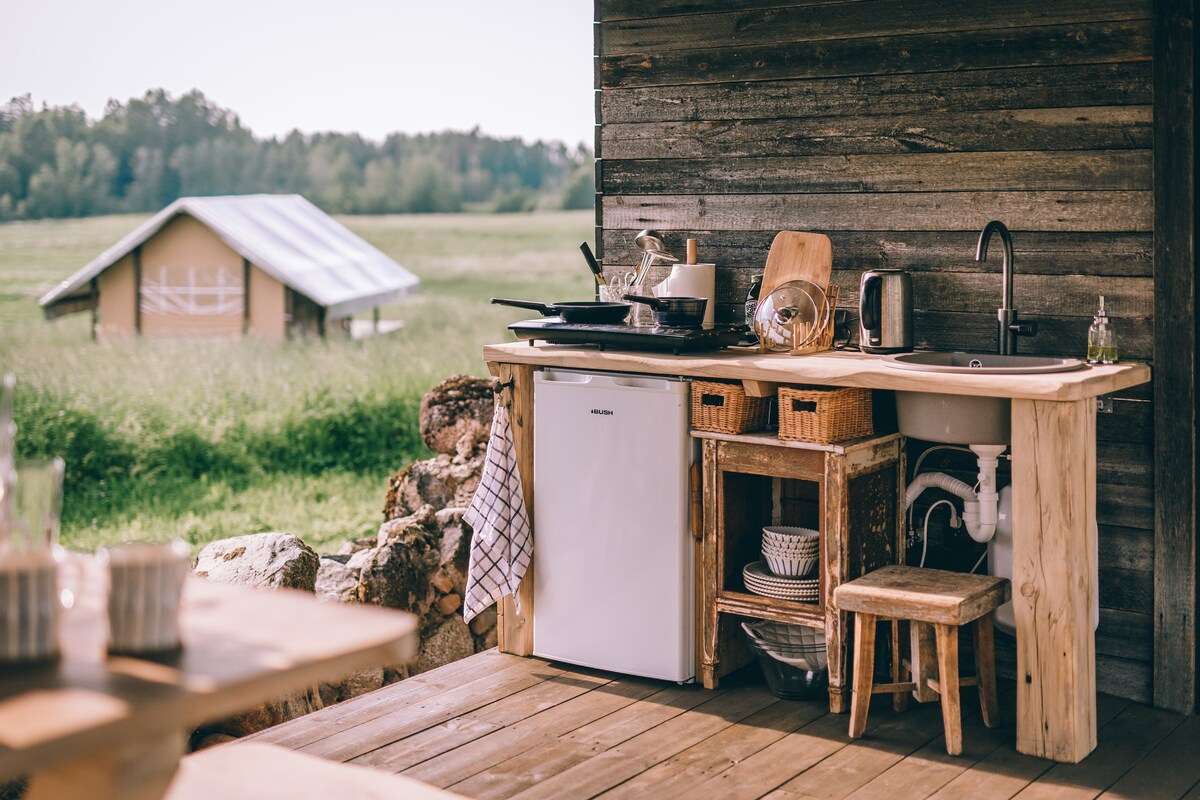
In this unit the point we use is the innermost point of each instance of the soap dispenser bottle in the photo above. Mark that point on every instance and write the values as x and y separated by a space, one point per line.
1102 339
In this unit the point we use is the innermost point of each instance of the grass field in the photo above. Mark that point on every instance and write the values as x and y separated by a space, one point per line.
207 439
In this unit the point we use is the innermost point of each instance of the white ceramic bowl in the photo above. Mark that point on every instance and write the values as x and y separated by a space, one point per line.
785 534
790 566
787 547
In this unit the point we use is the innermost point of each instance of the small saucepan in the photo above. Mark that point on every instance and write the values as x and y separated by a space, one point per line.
586 312
677 312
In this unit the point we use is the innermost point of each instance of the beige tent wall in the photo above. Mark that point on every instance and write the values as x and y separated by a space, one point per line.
268 308
117 307
189 260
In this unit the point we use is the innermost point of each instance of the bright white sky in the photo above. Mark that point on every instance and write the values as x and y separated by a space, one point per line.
512 67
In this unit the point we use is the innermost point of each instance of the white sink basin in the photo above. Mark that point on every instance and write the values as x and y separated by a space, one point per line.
954 418
982 363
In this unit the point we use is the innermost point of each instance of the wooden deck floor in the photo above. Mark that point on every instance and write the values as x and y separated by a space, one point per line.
497 726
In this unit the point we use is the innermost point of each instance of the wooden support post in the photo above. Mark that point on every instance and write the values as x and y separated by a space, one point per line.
835 560
1054 551
137 290
710 575
515 630
1175 343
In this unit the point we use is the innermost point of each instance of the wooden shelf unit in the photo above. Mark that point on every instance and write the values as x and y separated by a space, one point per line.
853 492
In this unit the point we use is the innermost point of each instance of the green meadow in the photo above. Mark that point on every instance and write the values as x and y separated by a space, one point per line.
204 439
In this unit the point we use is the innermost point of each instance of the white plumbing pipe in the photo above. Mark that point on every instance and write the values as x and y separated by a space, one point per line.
989 500
939 480
979 508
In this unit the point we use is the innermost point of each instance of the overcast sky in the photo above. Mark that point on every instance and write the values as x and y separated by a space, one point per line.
512 67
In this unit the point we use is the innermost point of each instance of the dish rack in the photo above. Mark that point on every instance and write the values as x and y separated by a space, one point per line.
806 337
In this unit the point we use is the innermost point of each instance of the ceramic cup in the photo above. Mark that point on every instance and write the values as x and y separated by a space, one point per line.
145 583
29 606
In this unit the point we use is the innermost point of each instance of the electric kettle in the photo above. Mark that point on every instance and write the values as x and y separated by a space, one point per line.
885 311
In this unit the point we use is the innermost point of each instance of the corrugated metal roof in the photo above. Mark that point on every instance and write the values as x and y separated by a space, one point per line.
286 237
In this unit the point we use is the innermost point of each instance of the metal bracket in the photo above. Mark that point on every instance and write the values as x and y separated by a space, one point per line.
1104 404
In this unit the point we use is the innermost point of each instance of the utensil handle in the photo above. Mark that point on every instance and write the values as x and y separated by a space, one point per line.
546 309
586 249
654 302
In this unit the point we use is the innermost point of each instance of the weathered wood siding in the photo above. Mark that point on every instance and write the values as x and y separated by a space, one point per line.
899 128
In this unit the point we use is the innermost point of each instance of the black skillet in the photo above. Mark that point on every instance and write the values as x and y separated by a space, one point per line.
585 313
681 312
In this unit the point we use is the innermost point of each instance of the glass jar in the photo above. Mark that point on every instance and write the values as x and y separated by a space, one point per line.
752 299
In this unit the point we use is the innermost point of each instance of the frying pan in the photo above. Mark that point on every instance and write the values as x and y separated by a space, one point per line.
684 312
588 312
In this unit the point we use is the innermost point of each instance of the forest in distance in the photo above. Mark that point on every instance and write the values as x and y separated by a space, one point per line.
144 153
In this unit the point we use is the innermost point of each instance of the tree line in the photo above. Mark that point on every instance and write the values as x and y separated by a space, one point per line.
145 153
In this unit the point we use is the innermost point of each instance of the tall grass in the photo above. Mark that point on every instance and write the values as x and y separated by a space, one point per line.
208 439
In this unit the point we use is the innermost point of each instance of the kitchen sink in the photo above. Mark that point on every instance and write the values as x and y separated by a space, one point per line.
961 419
982 363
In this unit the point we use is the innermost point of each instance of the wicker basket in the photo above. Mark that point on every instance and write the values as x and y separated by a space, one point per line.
824 415
725 408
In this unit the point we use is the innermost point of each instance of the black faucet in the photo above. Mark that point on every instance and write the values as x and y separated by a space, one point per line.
1008 327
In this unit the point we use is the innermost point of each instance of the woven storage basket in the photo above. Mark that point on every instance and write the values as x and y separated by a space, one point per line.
824 415
725 408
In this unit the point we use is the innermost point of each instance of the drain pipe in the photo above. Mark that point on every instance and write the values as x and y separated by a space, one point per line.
988 456
979 509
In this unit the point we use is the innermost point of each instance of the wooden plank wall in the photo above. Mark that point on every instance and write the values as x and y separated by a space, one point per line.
898 128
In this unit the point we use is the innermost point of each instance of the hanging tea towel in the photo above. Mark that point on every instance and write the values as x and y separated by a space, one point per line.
501 545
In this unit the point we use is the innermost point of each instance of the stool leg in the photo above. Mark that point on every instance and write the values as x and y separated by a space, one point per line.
985 668
899 699
947 650
864 664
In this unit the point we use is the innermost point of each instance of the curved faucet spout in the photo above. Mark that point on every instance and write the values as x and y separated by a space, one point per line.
1008 327
981 250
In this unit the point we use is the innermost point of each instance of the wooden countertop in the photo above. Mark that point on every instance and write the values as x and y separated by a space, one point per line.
829 369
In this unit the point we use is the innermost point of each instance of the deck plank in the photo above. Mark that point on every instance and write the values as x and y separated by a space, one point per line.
681 773
463 762
412 718
495 726
1169 770
1004 772
332 719
635 754
858 763
1138 729
421 746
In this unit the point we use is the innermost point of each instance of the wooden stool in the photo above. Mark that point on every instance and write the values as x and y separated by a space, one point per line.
927 598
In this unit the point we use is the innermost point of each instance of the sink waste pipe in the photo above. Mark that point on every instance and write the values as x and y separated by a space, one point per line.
980 508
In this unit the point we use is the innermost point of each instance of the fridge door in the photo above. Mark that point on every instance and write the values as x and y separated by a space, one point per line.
613 554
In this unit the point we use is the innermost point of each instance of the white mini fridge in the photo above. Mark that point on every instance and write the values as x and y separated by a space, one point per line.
613 584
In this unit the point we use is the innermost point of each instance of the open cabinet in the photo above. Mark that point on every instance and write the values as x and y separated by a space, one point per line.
852 492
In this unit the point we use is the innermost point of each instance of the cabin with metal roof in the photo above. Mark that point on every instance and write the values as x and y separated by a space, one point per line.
272 266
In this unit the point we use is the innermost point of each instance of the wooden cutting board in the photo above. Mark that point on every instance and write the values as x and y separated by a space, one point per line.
796 255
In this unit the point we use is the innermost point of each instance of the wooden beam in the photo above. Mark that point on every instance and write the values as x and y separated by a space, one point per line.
95 308
245 296
71 305
515 630
137 290
1175 356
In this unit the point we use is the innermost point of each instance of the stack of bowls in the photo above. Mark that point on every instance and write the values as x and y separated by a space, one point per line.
792 658
791 552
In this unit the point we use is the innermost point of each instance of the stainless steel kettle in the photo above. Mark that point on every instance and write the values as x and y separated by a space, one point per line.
885 311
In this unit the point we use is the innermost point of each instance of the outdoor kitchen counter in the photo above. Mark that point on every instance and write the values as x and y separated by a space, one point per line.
830 369
1054 500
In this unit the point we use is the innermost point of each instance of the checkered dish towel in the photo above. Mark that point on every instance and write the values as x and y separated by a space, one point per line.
501 544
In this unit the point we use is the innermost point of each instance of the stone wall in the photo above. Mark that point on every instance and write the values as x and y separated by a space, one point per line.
417 561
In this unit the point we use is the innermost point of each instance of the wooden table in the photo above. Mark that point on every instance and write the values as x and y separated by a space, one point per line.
1054 500
98 727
